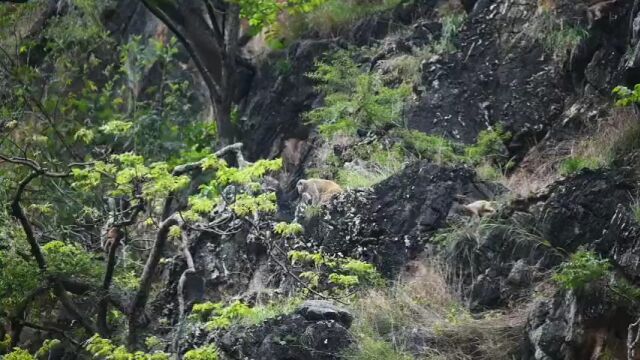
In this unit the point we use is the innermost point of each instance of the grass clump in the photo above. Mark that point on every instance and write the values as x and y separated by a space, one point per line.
575 164
557 37
375 163
385 320
333 16
431 147
451 25
582 268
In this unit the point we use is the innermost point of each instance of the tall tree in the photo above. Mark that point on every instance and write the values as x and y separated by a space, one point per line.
214 32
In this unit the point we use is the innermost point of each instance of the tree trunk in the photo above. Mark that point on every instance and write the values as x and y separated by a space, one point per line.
211 40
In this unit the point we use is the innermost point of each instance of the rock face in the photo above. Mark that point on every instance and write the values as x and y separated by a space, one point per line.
577 326
388 225
317 331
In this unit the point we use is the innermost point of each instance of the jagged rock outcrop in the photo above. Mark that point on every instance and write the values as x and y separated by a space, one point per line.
389 224
317 331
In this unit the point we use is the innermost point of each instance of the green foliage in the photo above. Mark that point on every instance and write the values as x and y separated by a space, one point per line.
18 354
354 98
260 313
19 275
336 275
489 145
288 229
582 268
373 163
261 13
153 342
218 316
246 204
431 147
70 260
209 352
573 165
627 96
104 349
451 25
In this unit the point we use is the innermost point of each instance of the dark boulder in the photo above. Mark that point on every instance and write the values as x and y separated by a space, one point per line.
314 335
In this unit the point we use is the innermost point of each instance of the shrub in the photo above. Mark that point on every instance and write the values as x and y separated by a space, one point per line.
354 98
385 320
337 275
627 96
574 165
489 146
373 163
431 147
209 352
582 268
218 316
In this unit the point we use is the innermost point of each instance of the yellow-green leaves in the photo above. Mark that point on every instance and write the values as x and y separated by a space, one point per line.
104 349
219 316
288 229
247 204
212 162
201 204
85 135
175 232
627 96
116 127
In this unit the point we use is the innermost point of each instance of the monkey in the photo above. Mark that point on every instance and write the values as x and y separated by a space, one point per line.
480 208
317 191
120 210
112 237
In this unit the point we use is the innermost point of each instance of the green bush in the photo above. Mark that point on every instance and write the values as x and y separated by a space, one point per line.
209 352
582 268
574 165
431 147
354 98
489 146
627 96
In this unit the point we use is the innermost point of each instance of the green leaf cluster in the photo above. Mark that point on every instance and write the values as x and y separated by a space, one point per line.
104 349
582 268
626 96
354 98
288 229
335 274
219 316
209 352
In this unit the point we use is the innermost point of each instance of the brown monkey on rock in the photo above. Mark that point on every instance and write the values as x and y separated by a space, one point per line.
317 191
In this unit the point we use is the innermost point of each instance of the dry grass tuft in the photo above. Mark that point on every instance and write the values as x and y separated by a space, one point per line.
419 317
604 143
